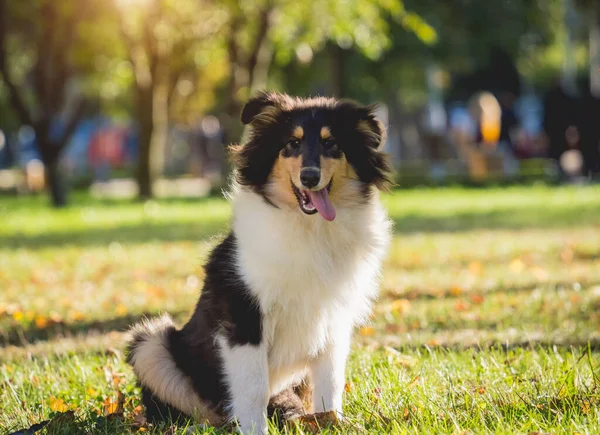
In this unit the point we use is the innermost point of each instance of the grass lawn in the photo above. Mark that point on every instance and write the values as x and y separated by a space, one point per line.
488 321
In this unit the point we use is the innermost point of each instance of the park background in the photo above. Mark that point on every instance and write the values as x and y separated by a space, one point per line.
114 121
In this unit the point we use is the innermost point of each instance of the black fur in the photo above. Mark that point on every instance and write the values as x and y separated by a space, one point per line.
356 132
158 411
226 306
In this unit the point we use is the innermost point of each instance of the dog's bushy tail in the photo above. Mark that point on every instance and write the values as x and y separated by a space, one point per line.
148 352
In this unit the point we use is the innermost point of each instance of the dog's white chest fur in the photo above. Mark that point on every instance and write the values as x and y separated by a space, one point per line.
309 275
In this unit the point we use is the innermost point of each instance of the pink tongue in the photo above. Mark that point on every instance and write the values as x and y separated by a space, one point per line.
320 200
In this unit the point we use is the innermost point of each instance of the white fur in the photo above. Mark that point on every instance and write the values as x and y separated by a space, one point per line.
247 376
314 280
155 367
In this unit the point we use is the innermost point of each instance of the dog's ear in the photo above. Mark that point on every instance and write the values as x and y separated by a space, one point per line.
371 127
257 105
363 117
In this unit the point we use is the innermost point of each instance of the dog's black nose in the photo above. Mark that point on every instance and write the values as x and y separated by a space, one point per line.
310 177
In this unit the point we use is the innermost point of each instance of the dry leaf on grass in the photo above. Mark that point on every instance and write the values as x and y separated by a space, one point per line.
58 404
314 423
367 331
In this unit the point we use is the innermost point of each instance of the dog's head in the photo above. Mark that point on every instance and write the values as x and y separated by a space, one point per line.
315 154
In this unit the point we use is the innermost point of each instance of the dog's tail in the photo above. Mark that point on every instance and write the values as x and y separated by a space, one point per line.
148 351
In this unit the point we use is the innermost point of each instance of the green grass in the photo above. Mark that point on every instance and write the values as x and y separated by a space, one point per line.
488 321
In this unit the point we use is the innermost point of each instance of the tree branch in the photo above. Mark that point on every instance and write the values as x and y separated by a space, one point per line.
16 99
263 30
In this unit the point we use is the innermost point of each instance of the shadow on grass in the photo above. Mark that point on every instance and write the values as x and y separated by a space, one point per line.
506 219
32 334
125 234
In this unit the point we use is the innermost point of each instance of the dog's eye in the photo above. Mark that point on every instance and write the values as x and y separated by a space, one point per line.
294 143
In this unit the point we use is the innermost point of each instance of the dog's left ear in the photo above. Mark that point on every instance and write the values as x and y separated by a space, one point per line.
373 130
257 105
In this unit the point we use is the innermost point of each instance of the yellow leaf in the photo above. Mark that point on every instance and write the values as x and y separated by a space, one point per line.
348 387
91 392
456 291
121 310
110 407
78 316
58 405
40 321
400 306
367 331
18 316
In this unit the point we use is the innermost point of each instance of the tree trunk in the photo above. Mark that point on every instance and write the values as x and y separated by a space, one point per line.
337 57
146 126
56 182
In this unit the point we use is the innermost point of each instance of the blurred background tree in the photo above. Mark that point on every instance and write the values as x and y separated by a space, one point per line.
36 42
167 63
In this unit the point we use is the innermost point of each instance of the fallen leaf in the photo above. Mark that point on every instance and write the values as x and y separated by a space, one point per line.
120 310
400 306
312 423
40 321
477 299
110 407
461 305
348 387
77 316
58 404
456 291
367 331
481 390
18 316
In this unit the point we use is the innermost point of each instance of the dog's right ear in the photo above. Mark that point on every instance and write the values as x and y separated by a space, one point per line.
257 105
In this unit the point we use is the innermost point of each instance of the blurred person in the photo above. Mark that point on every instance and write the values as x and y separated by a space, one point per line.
559 115
434 130
508 128
106 150
588 123
486 113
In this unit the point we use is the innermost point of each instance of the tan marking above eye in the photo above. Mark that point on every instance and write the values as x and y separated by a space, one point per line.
325 133
298 132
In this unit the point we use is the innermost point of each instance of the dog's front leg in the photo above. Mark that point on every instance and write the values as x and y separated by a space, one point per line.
247 376
328 374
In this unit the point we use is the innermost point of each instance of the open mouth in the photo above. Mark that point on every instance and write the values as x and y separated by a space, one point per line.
315 201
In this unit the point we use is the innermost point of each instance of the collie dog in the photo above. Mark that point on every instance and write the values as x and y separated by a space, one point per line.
284 290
